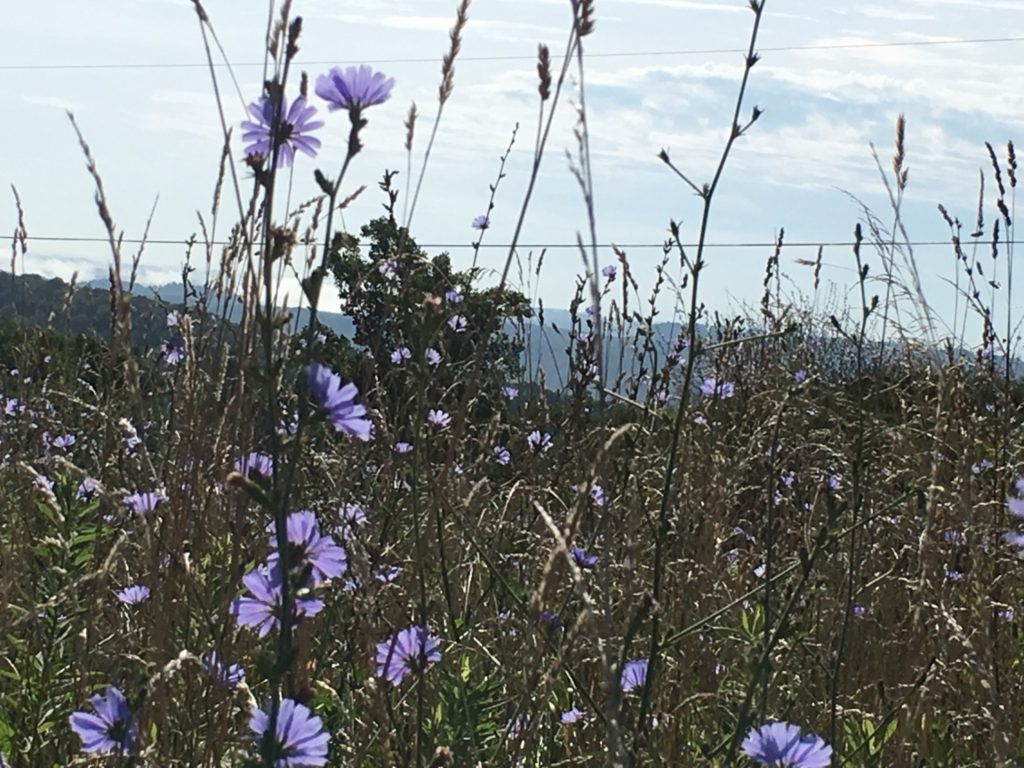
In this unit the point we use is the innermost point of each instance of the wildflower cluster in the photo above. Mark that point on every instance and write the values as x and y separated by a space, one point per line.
457 527
279 129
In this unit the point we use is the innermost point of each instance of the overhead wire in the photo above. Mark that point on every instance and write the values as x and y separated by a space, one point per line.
518 57
539 246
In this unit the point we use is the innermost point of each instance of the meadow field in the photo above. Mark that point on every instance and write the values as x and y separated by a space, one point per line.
786 536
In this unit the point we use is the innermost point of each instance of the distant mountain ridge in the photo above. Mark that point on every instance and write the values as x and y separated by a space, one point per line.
545 345
41 301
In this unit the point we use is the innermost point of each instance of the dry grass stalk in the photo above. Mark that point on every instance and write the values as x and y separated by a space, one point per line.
448 61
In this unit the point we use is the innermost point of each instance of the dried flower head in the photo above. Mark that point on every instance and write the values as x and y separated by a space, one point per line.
448 61
583 13
544 72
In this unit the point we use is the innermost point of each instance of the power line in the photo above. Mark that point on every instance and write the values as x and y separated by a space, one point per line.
551 246
606 55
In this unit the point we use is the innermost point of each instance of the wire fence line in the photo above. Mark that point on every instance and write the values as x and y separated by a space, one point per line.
551 246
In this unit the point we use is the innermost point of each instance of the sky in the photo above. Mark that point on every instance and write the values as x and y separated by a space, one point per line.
133 73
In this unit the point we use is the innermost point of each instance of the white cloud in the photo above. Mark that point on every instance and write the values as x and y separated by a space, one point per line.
193 113
891 13
54 102
903 76
726 6
992 5
501 29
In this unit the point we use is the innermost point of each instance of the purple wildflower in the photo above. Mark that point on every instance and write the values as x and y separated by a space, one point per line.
173 350
571 716
409 650
433 356
634 674
954 536
781 745
143 503
308 549
457 323
288 426
353 89
44 484
712 387
228 675
518 726
87 489
111 730
539 441
351 516
481 222
387 574
501 455
403 447
261 464
1015 506
453 297
339 402
261 610
550 619
609 271
834 482
981 466
400 355
584 560
133 595
64 441
129 435
299 738
1015 539
438 419
597 495
510 392
294 126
